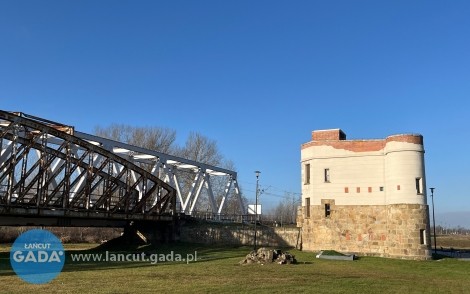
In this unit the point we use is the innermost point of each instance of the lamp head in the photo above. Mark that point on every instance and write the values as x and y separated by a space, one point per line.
257 173
432 190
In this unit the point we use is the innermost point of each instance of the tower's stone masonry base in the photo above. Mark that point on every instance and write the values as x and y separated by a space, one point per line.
396 231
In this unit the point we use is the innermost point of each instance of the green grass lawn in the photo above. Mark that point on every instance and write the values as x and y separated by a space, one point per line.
218 271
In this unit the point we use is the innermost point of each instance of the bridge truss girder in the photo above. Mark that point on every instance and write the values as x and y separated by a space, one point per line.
174 170
78 164
46 169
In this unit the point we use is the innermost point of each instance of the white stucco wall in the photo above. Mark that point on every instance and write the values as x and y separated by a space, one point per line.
395 168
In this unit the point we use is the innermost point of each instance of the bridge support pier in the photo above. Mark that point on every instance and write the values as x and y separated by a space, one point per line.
151 232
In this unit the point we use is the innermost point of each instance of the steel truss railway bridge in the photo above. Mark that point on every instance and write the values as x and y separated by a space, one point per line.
51 174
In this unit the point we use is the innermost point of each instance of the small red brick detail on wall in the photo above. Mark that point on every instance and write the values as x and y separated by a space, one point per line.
358 189
370 189
346 190
398 187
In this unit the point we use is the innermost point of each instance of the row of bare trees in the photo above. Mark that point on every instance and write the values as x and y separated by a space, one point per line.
285 213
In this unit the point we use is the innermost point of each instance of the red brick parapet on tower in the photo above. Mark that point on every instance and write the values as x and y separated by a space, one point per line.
336 138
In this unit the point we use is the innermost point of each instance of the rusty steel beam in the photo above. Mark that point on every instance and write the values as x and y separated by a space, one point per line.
70 174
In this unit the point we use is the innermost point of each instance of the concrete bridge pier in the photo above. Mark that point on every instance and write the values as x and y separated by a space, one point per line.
151 232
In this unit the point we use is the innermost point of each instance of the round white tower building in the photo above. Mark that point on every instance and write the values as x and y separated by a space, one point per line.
404 170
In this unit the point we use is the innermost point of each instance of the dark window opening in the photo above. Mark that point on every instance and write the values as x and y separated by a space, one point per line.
307 174
307 204
422 237
419 186
327 175
327 210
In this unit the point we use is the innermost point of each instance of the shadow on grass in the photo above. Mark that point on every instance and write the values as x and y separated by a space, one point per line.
437 256
5 267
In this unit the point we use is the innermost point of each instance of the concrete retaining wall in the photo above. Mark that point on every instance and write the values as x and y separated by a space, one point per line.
239 234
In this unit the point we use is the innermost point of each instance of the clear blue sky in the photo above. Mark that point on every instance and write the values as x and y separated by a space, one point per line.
256 76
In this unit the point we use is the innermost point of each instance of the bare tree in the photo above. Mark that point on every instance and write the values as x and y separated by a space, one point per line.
286 211
197 148
201 149
153 138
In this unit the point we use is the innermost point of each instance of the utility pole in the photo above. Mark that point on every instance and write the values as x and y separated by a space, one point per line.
433 219
256 205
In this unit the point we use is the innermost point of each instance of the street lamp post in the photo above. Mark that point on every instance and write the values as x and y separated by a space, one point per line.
256 205
433 219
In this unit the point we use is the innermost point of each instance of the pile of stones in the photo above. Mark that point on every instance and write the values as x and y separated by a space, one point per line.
265 255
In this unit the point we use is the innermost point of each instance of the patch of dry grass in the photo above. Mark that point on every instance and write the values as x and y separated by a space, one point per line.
454 241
